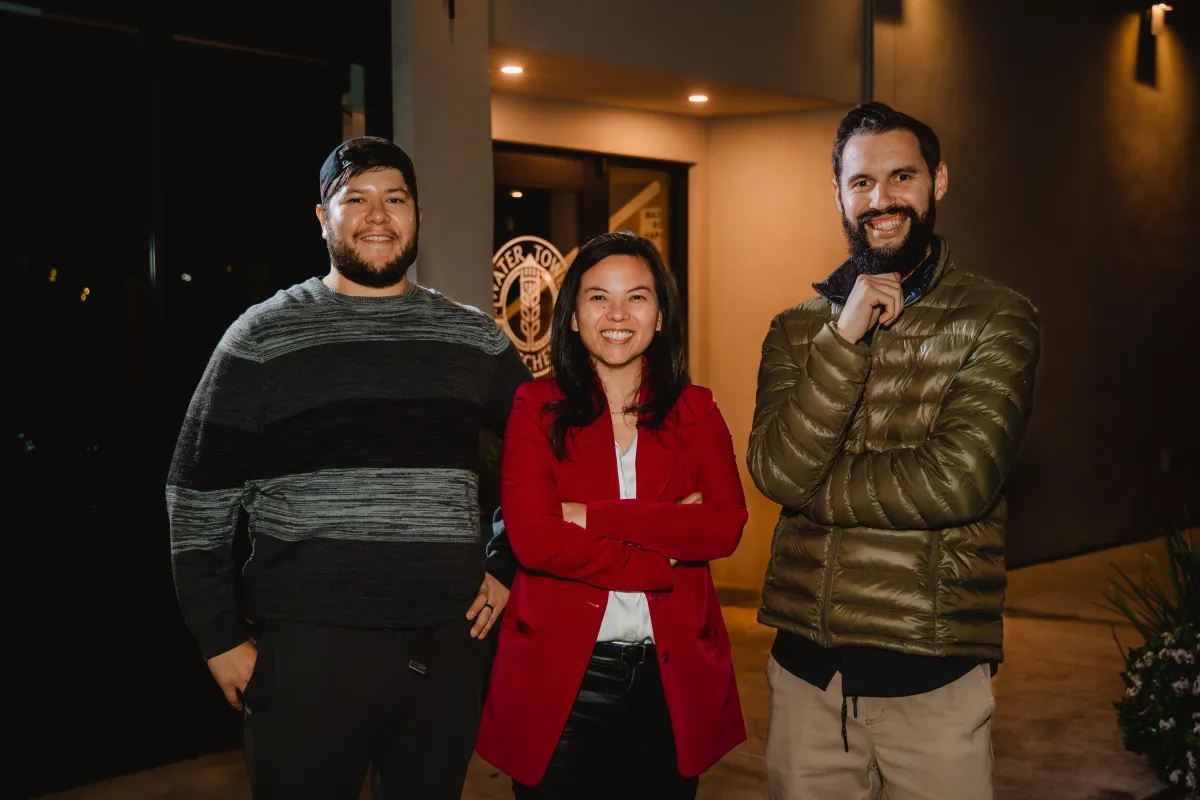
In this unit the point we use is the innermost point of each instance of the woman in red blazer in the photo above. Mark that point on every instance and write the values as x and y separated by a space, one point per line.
619 483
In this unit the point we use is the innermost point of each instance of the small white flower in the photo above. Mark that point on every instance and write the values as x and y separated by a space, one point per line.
1180 686
1191 780
1166 724
1168 639
1174 776
1191 760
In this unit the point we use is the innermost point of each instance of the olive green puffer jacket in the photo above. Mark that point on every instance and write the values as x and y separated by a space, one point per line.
889 461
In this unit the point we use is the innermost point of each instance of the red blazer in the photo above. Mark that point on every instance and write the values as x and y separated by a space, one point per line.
558 598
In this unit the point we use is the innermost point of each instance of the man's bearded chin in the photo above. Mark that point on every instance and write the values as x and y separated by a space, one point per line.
377 276
902 258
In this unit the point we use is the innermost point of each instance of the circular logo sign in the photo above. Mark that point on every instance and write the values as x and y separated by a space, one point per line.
526 273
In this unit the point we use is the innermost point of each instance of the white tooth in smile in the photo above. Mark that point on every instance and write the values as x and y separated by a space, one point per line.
619 336
886 226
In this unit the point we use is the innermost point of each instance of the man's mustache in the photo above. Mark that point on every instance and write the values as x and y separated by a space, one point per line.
907 211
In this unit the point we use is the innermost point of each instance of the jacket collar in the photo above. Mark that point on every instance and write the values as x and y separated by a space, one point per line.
837 287
656 451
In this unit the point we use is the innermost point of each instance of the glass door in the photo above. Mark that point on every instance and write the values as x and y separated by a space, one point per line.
548 202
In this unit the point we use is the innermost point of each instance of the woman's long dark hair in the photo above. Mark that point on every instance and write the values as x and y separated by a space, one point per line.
666 367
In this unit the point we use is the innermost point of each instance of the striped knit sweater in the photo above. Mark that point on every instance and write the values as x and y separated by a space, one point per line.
347 427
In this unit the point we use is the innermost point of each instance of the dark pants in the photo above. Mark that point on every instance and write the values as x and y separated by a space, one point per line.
326 702
618 741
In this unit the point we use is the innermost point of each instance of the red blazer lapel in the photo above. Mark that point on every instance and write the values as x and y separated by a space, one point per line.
655 462
594 458
656 453
594 461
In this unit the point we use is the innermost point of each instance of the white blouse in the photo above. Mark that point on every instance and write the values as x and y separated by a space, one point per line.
627 616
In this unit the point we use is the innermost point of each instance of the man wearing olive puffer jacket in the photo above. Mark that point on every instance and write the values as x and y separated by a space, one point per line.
889 412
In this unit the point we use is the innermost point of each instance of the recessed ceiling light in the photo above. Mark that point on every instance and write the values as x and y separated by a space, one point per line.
516 193
512 69
698 98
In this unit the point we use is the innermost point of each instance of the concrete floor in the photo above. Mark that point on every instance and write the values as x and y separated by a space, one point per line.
1054 733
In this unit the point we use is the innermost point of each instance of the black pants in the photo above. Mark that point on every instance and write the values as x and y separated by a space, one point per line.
326 702
618 742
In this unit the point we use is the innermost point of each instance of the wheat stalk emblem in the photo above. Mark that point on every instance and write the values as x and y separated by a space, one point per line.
531 303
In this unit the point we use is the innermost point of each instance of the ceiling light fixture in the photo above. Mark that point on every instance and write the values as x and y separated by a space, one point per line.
698 98
512 69
1158 17
517 193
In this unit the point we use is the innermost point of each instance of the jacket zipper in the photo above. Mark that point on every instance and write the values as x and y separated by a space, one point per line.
935 555
834 547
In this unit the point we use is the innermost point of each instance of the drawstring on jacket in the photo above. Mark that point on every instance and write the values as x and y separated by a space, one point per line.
845 738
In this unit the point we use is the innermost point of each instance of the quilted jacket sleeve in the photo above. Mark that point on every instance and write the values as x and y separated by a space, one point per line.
956 476
809 384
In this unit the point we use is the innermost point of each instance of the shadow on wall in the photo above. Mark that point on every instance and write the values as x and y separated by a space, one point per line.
1070 133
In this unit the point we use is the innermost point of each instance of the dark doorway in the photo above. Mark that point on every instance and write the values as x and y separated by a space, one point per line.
162 163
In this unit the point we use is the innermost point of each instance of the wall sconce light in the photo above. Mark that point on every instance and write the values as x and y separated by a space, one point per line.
1158 16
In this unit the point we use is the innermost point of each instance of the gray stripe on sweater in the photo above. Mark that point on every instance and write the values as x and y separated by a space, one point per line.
369 505
310 315
202 520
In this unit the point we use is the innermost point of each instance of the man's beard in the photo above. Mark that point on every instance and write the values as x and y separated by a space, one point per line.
902 258
354 269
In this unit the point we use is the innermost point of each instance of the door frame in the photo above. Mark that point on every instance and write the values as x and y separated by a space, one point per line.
598 165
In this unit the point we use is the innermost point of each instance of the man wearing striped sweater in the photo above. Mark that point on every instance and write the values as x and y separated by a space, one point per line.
343 414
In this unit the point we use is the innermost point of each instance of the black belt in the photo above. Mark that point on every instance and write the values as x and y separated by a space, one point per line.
627 654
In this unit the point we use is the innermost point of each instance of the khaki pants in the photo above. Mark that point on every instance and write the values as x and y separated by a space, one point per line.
932 746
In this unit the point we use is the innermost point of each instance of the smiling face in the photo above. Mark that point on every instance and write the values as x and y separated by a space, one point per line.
887 198
370 226
617 312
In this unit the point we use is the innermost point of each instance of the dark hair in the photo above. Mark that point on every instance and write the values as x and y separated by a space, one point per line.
876 118
666 370
365 154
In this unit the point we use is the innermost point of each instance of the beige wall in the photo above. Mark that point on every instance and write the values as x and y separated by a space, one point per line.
1070 181
774 232
811 48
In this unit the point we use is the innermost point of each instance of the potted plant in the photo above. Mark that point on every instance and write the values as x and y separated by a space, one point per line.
1159 714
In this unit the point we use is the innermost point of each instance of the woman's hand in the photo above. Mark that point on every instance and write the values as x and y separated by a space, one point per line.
691 500
576 513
